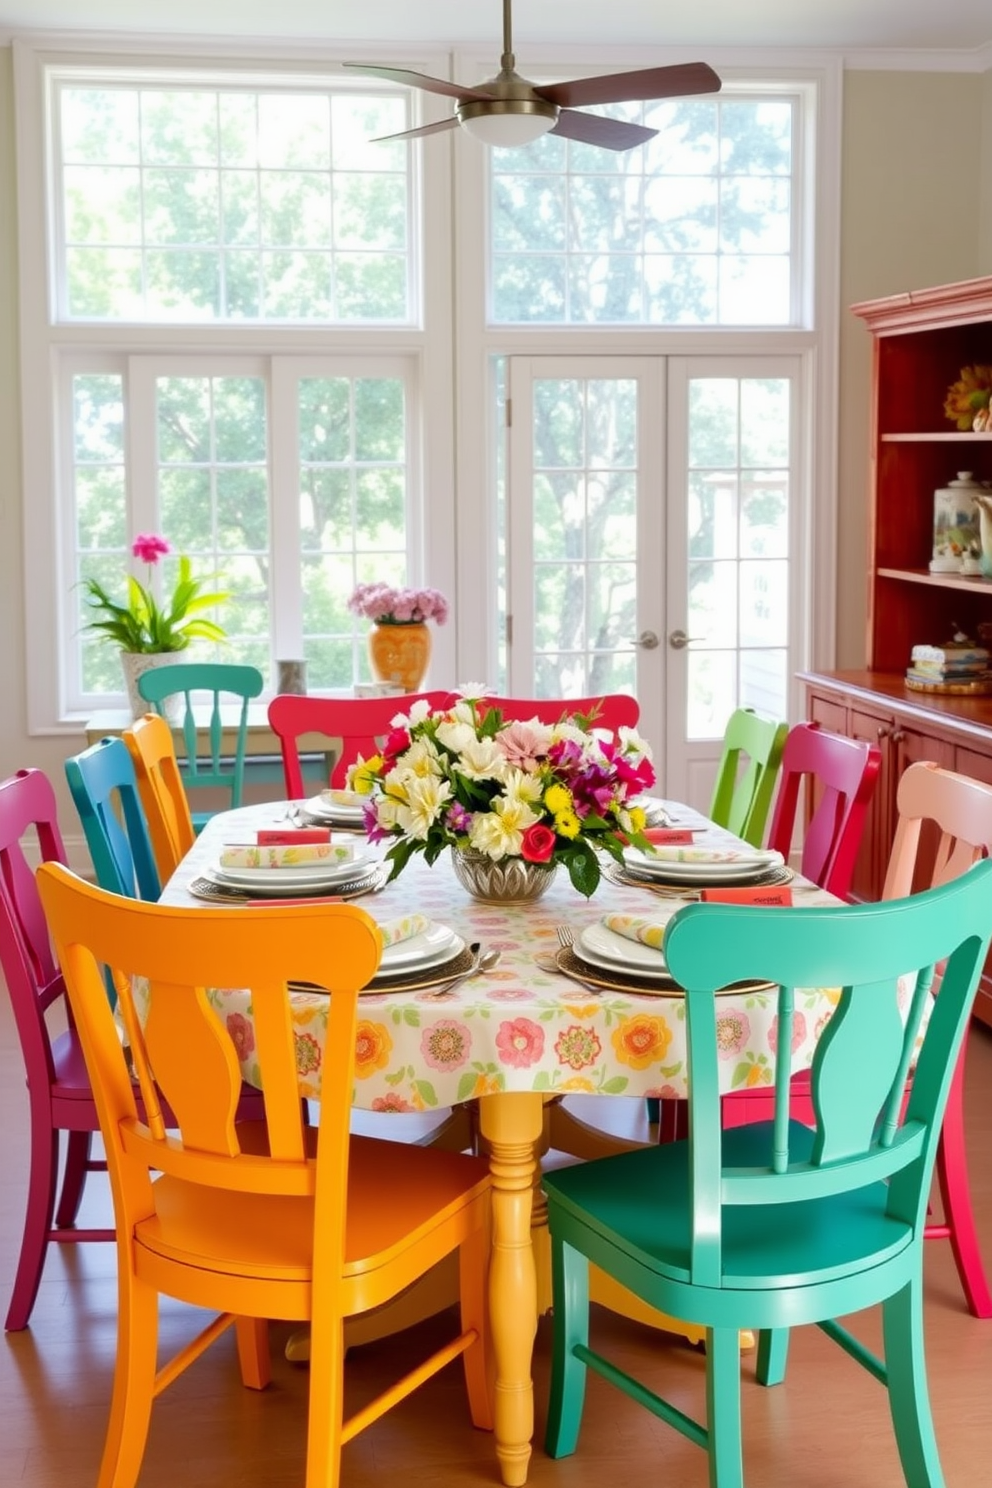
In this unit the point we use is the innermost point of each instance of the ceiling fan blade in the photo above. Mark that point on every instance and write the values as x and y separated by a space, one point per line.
593 129
631 87
443 124
411 79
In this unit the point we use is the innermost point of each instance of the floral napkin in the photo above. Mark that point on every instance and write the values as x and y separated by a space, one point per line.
295 855
636 927
403 928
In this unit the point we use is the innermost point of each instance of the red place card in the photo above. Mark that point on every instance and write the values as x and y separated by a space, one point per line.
669 836
771 898
291 838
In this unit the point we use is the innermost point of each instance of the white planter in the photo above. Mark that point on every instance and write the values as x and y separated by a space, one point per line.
134 664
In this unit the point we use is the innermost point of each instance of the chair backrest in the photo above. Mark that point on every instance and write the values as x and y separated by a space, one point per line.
960 811
29 824
841 775
163 795
222 681
861 1059
172 954
746 774
105 792
354 725
612 710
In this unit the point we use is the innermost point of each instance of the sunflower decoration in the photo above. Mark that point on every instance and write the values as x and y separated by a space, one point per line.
968 399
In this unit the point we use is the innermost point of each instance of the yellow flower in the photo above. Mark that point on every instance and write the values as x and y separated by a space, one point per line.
567 824
373 1047
638 818
363 775
642 1041
972 392
558 798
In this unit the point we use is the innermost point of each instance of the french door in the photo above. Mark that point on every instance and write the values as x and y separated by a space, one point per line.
655 532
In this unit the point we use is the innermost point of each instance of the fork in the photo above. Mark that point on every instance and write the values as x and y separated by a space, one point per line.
565 937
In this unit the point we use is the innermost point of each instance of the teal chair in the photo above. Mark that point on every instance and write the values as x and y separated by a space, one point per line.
105 792
746 774
223 682
775 1224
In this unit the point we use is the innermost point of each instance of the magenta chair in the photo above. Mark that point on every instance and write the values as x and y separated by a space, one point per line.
359 724
59 1094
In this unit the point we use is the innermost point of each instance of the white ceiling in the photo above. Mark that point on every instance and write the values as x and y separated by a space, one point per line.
847 25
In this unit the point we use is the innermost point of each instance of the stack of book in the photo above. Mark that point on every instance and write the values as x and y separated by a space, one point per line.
941 667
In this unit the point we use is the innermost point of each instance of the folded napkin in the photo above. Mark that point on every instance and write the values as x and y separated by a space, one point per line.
403 928
347 798
670 854
296 855
636 927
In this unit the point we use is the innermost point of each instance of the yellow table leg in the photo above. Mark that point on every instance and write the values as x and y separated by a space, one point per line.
511 1125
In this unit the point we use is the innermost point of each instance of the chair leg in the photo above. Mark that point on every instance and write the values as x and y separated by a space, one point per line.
37 1223
909 1401
326 1412
134 1382
77 1160
571 1327
253 1352
473 1255
723 1407
773 1355
955 1193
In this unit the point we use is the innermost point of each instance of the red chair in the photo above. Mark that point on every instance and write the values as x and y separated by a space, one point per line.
613 710
842 775
59 1094
357 723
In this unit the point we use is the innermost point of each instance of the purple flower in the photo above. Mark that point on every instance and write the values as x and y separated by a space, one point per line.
458 818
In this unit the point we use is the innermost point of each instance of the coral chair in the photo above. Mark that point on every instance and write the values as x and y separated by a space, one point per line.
59 1095
357 724
961 811
842 774
746 774
226 686
612 710
105 793
774 1225
163 795
246 1229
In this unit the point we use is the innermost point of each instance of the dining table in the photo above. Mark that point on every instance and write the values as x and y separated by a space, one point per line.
512 1040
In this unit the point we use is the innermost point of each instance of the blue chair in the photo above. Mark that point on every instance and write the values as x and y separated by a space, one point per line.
775 1224
222 682
105 791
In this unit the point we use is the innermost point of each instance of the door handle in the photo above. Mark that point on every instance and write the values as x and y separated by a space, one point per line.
647 640
678 640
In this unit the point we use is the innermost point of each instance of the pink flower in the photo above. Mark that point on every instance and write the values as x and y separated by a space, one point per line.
798 1032
522 744
242 1035
149 547
520 1042
732 1033
445 1044
391 1102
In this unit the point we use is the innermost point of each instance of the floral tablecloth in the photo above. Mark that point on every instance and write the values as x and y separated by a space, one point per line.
517 1027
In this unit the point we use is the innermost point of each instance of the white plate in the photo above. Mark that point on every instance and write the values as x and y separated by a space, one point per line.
300 874
436 943
647 865
322 810
294 887
603 947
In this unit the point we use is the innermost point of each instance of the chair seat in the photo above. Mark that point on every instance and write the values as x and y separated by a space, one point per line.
71 1081
801 1244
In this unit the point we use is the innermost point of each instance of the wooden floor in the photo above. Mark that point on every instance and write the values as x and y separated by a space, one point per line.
826 1427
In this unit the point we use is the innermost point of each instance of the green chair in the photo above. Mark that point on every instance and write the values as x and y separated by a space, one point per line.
772 1225
746 774
223 682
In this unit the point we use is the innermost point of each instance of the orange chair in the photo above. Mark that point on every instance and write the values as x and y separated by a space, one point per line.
961 811
254 1228
163 795
357 723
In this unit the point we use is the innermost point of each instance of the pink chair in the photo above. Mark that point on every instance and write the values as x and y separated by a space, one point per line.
842 773
358 723
59 1094
961 811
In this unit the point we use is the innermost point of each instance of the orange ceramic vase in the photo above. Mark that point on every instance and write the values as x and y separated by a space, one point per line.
400 654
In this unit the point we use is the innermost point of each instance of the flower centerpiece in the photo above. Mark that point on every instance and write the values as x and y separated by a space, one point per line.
968 400
399 641
530 793
142 627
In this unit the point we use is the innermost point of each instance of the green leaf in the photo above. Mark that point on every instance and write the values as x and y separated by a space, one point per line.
615 1085
426 1092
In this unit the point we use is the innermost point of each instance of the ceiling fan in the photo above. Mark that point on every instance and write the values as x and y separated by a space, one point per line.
510 111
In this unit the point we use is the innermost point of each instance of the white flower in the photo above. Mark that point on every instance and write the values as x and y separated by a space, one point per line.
473 690
500 832
521 789
387 810
418 712
480 760
425 800
632 744
420 760
457 735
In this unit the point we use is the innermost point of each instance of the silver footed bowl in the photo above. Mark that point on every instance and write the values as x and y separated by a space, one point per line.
501 880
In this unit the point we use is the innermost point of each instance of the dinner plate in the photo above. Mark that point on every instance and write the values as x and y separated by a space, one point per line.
279 885
299 875
436 943
321 808
602 947
646 865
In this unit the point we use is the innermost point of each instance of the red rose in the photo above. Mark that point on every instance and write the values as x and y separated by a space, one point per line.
538 843
395 743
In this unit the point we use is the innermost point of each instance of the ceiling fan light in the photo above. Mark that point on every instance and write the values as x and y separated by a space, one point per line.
508 123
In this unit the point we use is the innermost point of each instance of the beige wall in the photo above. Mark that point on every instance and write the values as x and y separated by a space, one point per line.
917 210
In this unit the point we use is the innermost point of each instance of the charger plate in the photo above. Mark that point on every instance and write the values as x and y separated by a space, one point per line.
219 893
775 877
412 981
573 966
